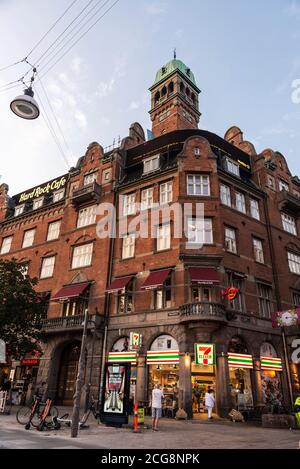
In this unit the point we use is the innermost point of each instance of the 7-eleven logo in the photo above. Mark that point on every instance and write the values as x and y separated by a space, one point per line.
205 354
135 339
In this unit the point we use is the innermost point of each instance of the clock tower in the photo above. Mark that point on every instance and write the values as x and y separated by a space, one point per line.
174 99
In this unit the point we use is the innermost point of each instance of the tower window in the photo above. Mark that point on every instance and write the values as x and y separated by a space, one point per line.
157 97
187 91
193 98
164 91
181 88
171 87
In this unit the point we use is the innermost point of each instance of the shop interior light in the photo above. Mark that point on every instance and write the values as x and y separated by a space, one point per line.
25 106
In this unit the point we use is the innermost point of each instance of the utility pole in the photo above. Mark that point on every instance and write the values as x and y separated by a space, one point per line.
79 381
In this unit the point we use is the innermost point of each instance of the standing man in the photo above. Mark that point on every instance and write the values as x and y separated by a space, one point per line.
209 402
157 396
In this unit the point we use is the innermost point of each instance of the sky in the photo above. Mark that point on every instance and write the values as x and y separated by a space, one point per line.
244 54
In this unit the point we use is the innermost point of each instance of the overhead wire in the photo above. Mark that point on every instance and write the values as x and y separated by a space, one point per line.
80 37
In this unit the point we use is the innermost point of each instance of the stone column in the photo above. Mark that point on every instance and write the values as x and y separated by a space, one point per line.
224 404
257 384
185 384
141 379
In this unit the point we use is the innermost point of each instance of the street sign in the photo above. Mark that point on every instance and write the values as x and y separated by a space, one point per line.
205 354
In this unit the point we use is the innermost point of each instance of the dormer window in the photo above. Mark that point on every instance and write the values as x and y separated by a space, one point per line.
151 164
232 167
37 203
19 210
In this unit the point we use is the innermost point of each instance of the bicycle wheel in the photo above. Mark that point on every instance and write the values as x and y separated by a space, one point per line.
53 412
23 415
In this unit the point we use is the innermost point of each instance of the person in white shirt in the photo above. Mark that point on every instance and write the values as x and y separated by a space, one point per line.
157 396
209 402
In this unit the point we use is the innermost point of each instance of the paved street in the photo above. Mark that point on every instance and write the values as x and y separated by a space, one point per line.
172 434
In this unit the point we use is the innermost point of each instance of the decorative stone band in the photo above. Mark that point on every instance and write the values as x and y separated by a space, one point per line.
269 363
163 357
122 357
238 360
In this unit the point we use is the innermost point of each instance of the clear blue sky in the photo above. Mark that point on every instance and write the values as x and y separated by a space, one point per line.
244 54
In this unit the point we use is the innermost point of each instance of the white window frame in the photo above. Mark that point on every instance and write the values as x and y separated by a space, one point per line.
199 231
89 179
232 167
53 230
58 195
128 246
87 216
225 194
28 238
6 245
37 203
82 255
294 262
289 224
296 298
283 185
151 164
230 240
264 296
47 269
163 237
240 202
166 192
254 209
258 250
128 204
19 209
147 198
198 185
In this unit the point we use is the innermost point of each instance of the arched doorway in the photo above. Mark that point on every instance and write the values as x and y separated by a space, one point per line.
240 376
68 373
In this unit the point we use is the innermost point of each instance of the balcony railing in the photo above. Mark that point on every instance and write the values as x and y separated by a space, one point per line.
288 201
202 311
91 192
69 323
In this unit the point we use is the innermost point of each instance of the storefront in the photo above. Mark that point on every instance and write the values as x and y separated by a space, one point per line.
121 354
271 367
240 369
24 376
203 375
163 369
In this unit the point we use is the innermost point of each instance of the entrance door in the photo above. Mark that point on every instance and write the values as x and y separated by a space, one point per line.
68 374
203 378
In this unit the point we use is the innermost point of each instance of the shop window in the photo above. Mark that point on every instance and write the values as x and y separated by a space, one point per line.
125 299
240 378
271 381
163 296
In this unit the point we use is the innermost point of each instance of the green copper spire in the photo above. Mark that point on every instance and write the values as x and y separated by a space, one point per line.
173 66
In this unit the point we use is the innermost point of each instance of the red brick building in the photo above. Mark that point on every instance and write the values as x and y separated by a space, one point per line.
168 288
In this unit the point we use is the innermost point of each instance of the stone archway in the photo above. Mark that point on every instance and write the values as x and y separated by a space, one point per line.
67 373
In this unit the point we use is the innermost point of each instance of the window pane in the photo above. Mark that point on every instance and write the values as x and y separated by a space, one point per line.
28 238
53 230
6 245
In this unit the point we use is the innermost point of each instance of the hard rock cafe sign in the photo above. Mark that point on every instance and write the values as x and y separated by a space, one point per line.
41 190
231 293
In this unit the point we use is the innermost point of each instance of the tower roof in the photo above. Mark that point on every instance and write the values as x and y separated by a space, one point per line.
171 67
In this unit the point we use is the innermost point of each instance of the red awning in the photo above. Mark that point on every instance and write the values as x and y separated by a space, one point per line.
204 275
70 291
119 284
156 279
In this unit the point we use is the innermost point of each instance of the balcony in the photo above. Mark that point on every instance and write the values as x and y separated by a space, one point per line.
89 193
206 312
70 323
288 201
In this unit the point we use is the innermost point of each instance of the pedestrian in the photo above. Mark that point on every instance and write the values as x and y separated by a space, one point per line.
209 402
157 396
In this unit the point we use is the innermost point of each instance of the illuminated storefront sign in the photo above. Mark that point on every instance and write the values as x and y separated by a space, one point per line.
122 357
205 354
238 360
270 363
39 191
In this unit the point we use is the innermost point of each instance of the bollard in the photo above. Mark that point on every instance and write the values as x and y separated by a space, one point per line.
135 418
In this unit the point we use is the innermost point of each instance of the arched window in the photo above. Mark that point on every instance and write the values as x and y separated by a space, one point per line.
237 345
164 91
121 345
193 98
181 87
157 97
171 88
187 91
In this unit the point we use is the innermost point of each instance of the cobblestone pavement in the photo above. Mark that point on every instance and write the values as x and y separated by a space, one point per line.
172 434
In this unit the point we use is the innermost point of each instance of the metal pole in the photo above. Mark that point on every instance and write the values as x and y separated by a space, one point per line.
102 366
79 381
87 399
287 366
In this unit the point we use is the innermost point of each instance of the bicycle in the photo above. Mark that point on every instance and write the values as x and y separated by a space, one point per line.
32 414
92 408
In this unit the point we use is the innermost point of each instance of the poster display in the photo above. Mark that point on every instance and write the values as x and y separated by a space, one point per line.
115 396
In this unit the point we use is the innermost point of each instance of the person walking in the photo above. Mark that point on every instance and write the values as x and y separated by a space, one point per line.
209 402
157 396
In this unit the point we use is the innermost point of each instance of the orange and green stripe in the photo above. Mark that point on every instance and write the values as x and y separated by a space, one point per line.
122 357
270 363
163 357
238 360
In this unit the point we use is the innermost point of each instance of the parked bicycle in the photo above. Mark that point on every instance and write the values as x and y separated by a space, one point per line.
33 414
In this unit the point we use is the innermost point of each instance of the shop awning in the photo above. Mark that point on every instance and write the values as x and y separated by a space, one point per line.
119 284
163 357
270 363
238 360
204 276
70 291
156 279
122 357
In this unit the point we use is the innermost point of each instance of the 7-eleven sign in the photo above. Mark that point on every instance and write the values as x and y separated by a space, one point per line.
204 354
135 339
